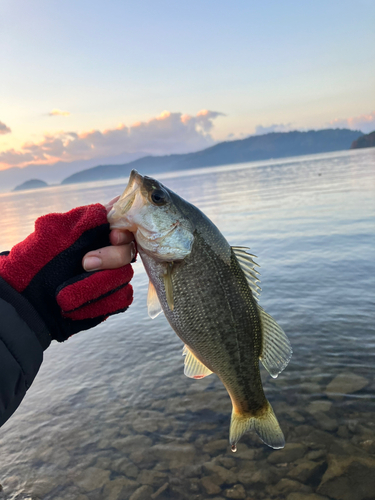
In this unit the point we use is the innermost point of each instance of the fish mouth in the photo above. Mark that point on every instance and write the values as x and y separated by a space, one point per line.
126 200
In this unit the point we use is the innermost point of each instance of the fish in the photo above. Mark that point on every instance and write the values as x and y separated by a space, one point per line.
208 291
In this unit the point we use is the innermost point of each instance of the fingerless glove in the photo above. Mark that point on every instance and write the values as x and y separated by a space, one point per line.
46 270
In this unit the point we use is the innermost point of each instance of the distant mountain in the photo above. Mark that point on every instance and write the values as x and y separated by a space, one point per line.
54 174
254 148
365 141
31 184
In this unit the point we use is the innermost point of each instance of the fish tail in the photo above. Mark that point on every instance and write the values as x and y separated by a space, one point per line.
265 425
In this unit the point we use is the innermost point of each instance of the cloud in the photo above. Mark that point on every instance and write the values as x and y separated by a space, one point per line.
365 123
276 127
167 133
4 129
58 112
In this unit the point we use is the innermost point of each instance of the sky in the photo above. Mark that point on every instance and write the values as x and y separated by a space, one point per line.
84 79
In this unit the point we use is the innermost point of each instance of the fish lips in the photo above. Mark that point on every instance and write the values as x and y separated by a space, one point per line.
125 202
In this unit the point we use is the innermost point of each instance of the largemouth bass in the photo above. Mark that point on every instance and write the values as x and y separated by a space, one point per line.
208 292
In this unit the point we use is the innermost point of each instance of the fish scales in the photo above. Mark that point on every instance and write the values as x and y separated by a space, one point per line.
206 289
214 308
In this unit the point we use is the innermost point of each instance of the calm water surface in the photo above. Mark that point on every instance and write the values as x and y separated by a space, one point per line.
111 415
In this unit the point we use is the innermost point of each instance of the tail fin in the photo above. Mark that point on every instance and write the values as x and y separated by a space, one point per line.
265 425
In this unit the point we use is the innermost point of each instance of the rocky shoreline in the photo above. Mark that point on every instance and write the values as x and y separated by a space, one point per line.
170 452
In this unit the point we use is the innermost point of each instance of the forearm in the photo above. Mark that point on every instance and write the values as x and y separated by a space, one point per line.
23 337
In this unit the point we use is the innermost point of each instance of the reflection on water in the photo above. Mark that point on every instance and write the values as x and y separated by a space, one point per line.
111 415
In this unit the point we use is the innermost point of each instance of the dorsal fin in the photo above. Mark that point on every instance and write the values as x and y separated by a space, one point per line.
248 265
276 348
153 304
193 367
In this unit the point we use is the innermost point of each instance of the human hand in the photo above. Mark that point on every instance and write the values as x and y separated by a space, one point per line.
121 252
46 269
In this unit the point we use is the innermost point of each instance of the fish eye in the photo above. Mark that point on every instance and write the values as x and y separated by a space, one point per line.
158 197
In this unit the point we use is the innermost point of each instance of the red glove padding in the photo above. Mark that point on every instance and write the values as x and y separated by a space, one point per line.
46 269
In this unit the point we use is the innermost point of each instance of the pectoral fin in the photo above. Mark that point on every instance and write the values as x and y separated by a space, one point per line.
167 276
193 367
153 304
276 348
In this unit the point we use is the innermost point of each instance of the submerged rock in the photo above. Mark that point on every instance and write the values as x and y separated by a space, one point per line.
67 494
177 454
210 487
318 439
126 467
214 446
305 470
305 496
227 462
142 493
263 473
290 453
237 492
343 432
220 475
132 443
285 486
92 478
349 478
40 487
119 488
345 383
145 426
316 454
160 491
152 478
318 406
324 422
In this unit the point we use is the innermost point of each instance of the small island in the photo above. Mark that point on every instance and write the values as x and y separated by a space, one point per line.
31 184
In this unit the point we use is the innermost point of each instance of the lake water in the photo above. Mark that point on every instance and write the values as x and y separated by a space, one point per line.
111 415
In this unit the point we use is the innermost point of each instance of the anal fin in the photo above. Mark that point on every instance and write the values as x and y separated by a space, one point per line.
193 367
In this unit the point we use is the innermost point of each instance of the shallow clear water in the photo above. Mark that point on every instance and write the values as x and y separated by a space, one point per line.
111 415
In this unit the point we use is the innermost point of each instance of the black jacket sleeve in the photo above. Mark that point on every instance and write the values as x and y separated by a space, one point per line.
23 338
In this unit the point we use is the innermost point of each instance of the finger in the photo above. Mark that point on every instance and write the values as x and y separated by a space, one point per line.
88 288
113 303
119 237
110 204
109 257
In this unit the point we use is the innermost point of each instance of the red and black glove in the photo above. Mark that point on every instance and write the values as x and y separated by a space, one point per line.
46 269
